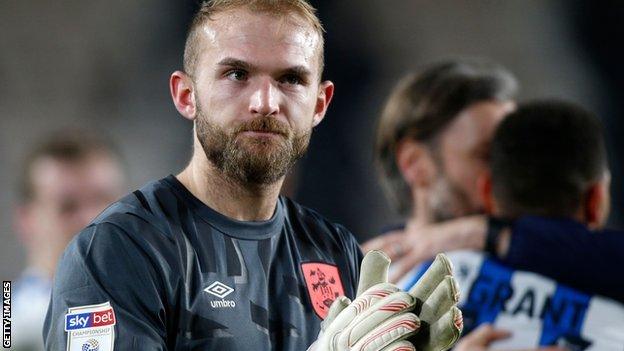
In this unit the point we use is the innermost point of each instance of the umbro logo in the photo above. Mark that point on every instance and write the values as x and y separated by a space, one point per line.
219 289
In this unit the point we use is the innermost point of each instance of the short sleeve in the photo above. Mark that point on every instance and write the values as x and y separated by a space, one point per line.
105 279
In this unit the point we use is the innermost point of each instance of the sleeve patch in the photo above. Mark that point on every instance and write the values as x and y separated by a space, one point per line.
90 328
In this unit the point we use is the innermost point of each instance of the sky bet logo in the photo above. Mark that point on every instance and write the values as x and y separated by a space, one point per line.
89 320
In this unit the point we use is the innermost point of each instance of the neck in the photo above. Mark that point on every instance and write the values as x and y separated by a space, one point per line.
421 214
243 202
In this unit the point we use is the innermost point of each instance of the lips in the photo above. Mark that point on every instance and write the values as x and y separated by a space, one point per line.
264 125
270 132
261 135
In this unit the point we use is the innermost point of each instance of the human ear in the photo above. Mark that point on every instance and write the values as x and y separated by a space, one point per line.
596 206
324 97
183 94
484 186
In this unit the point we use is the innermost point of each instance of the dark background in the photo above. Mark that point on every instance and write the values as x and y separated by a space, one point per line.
106 65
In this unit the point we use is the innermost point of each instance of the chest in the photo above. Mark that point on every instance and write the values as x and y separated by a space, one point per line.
262 295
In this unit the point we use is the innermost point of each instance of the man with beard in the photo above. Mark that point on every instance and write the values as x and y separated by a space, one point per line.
213 258
432 147
435 185
433 159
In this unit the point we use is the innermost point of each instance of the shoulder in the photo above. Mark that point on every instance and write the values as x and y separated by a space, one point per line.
149 211
312 219
129 233
103 251
312 226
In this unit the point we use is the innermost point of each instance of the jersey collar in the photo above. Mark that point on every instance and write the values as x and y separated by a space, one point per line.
252 230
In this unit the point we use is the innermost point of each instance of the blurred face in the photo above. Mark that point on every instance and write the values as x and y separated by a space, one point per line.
462 156
67 196
257 93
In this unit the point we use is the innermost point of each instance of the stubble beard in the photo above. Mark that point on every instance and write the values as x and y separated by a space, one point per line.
449 201
252 160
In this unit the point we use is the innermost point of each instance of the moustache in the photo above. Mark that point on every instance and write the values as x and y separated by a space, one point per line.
265 125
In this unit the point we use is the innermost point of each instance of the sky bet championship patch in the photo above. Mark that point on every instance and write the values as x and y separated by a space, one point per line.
90 328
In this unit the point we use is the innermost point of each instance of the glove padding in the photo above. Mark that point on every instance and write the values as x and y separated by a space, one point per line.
381 317
437 294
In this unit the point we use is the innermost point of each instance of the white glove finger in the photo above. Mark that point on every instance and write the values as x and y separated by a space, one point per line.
400 346
440 268
361 304
394 329
336 307
392 305
373 270
442 334
445 295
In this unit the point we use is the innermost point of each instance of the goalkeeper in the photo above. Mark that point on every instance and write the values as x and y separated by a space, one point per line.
213 258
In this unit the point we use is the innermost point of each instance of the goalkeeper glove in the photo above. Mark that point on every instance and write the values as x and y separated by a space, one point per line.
380 317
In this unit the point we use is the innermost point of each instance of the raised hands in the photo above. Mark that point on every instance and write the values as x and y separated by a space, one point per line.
383 317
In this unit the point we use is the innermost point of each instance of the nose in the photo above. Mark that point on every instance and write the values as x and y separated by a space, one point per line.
265 99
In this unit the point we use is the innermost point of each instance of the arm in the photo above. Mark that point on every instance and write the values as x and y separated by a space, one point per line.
103 266
570 253
410 247
561 250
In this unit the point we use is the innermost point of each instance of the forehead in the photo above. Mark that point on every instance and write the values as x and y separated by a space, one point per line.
259 38
476 123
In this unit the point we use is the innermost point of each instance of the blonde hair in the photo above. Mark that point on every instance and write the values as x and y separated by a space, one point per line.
299 8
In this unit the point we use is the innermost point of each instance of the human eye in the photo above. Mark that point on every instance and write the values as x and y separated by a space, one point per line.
292 79
236 74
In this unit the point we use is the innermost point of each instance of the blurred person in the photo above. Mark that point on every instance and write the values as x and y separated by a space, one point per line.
411 151
432 149
213 258
67 180
432 146
549 168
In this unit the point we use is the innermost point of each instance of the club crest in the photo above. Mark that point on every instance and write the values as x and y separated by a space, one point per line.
324 285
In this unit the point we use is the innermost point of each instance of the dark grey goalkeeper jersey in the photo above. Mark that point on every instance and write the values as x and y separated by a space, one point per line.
159 270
